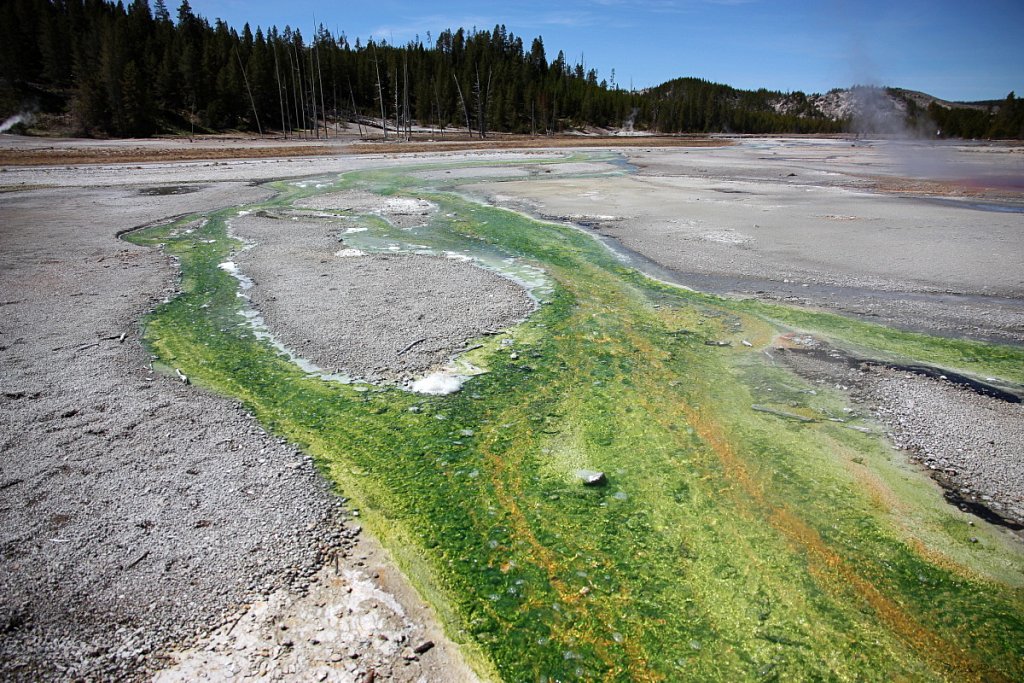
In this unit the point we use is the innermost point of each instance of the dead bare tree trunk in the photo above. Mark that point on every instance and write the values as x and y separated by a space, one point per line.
334 97
405 100
300 97
334 84
380 93
398 130
465 109
312 93
440 116
252 101
280 93
292 103
355 112
320 78
481 103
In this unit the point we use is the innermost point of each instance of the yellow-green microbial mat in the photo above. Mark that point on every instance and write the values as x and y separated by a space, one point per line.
727 544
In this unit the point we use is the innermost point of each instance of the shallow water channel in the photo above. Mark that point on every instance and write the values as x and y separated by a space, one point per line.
725 543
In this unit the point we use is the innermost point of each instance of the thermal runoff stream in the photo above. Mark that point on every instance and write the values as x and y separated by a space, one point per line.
751 525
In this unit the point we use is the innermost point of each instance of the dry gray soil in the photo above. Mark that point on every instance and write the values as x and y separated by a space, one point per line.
138 512
378 317
821 223
973 444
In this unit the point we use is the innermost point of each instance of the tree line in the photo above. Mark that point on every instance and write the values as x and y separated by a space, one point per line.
135 70
997 120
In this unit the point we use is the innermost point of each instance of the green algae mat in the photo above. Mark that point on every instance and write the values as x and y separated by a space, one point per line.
727 544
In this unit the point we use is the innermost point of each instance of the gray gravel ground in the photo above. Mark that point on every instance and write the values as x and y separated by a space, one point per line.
795 221
359 315
402 212
358 621
971 443
135 512
975 442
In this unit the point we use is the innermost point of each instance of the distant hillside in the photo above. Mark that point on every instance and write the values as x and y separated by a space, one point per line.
97 68
870 109
687 105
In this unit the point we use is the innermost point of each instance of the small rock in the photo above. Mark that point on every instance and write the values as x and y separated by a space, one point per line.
592 477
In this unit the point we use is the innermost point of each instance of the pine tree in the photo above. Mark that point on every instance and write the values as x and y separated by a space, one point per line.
135 105
127 67
160 12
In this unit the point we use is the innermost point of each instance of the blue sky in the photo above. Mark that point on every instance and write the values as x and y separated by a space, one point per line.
956 50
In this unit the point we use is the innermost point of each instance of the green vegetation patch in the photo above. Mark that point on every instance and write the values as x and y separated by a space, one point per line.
726 542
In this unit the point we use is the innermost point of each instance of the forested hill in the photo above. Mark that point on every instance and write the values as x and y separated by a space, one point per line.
109 69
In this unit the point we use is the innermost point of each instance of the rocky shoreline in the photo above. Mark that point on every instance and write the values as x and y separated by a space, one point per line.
969 440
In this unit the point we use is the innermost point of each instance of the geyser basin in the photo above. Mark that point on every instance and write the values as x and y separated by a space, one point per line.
727 544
